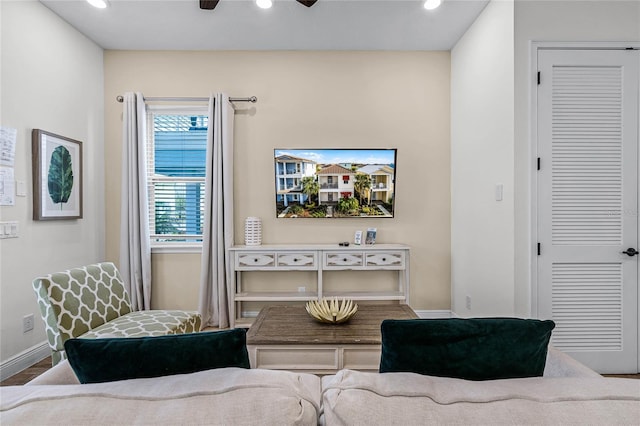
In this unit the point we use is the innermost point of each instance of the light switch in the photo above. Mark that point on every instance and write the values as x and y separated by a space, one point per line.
499 187
21 188
9 229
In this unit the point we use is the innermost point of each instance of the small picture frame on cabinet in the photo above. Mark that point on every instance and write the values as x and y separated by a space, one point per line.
371 236
357 239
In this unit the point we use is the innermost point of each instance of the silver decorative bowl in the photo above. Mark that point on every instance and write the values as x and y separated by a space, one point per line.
331 311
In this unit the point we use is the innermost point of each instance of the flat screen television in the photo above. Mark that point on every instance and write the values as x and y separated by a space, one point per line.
335 183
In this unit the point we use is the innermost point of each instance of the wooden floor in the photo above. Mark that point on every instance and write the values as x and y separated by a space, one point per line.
29 374
624 376
39 368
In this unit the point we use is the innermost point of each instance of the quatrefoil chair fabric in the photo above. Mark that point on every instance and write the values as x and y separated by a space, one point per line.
92 302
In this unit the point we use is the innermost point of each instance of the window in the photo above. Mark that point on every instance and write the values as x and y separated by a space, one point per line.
176 156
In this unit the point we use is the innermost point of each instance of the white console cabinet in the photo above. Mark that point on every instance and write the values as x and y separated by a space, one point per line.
318 258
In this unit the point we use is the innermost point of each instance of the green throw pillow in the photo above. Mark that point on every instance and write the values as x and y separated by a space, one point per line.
110 359
472 349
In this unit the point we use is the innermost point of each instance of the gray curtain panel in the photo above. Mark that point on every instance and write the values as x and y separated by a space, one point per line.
218 218
135 247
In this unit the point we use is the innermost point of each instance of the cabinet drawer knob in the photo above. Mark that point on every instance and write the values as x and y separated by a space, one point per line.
255 259
384 259
344 260
295 259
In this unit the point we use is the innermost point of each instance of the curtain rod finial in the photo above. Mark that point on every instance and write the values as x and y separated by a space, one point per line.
120 98
253 99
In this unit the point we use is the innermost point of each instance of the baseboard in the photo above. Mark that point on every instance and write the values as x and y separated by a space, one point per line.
24 360
433 314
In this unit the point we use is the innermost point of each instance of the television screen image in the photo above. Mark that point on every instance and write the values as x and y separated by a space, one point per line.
335 183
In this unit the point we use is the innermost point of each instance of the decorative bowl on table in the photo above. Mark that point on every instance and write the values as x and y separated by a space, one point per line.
331 311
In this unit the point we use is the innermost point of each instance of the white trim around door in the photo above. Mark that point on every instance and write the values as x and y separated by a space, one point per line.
630 215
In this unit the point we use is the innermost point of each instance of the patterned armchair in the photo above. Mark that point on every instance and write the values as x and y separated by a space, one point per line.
91 302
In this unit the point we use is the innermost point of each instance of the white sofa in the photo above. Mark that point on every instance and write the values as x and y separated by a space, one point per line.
412 399
568 393
229 396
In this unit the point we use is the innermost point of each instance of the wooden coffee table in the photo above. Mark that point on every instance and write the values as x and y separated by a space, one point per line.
287 338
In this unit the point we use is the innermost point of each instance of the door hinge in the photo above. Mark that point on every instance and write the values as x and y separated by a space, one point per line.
538 77
538 163
538 249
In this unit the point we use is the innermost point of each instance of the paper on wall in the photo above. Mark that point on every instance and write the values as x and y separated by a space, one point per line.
7 146
7 187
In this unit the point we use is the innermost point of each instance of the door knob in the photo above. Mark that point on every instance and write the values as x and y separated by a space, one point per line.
631 251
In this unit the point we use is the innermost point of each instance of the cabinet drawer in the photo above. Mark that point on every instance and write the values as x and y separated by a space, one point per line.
294 357
391 258
255 260
296 260
363 357
343 260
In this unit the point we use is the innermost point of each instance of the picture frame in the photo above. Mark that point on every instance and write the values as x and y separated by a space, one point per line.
57 176
357 239
371 236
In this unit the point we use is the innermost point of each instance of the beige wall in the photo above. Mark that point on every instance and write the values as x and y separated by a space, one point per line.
307 100
482 228
51 79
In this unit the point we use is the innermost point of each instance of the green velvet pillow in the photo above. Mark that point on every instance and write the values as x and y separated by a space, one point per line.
110 359
472 349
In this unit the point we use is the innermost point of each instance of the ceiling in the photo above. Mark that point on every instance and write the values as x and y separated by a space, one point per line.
288 25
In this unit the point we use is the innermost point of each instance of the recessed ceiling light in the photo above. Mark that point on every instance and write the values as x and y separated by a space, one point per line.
100 4
264 4
432 4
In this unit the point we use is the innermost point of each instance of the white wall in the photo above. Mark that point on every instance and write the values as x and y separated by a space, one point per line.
552 21
51 79
491 241
482 229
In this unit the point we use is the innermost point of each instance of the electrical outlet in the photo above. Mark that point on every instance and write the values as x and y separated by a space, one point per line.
27 323
468 299
302 289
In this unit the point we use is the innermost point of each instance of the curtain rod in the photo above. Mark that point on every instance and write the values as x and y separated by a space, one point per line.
251 99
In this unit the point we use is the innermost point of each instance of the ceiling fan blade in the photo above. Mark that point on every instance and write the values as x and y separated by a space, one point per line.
208 4
307 3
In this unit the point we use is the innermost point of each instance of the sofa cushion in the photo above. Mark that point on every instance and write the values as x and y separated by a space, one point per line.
224 396
473 349
148 323
110 359
353 397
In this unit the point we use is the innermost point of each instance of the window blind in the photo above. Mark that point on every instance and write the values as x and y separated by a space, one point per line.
176 155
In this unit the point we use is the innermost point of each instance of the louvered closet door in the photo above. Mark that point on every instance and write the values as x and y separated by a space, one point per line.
588 204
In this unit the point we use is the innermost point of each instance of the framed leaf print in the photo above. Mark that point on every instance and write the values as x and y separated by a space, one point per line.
57 176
